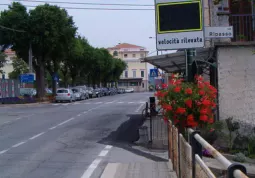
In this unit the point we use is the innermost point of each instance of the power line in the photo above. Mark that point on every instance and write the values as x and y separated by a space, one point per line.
86 3
88 8
7 28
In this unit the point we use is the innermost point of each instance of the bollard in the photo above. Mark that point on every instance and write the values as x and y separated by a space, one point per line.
153 106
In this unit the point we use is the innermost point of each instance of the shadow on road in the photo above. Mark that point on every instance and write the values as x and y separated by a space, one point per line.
125 136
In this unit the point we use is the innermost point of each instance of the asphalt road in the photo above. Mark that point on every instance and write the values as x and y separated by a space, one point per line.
73 140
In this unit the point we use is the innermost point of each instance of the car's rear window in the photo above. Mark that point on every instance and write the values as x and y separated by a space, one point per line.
75 90
62 91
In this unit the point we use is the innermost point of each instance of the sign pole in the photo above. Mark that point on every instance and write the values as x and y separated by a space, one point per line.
189 58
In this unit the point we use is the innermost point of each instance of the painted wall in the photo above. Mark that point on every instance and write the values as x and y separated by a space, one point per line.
236 80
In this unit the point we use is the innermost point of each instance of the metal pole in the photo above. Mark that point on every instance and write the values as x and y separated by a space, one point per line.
157 52
30 58
189 61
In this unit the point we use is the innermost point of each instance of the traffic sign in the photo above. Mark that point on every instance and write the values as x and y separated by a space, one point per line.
179 24
153 72
55 77
219 32
27 78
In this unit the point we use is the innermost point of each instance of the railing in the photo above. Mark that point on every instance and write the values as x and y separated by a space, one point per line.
187 160
243 26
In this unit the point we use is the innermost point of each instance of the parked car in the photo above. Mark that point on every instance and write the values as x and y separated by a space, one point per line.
98 92
78 93
91 92
129 90
65 94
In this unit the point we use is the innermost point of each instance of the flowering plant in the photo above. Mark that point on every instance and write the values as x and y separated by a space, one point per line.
188 104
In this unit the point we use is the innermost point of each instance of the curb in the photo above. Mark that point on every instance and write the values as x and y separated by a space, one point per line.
27 104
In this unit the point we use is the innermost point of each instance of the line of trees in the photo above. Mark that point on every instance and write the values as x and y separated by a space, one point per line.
57 49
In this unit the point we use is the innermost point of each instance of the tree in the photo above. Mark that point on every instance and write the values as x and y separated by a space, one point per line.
2 61
47 28
19 67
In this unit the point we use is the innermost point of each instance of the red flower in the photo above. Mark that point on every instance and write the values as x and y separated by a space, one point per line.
164 86
200 85
180 111
165 119
213 105
188 91
177 89
206 102
189 103
203 111
211 120
201 92
167 107
203 118
191 122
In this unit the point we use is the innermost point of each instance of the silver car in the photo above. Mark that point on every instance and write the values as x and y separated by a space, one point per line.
65 94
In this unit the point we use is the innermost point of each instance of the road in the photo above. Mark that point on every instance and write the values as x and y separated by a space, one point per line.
65 140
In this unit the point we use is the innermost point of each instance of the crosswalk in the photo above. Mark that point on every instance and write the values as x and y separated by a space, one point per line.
96 103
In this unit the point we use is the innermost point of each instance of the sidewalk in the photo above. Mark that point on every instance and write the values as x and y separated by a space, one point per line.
139 170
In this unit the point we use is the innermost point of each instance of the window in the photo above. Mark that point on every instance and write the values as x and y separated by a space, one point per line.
141 55
125 55
143 85
134 73
134 83
126 74
142 73
115 53
133 55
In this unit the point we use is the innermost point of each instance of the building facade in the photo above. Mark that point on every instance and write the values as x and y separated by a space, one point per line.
10 55
136 74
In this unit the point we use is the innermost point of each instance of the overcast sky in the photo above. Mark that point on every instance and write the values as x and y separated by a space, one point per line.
106 28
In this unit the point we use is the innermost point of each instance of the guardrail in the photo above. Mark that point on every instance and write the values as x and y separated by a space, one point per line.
243 26
187 160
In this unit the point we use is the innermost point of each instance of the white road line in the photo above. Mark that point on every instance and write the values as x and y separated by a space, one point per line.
38 135
98 102
138 109
108 146
76 103
7 122
65 121
120 102
91 168
55 104
84 112
87 103
142 102
79 115
52 128
3 151
103 153
18 144
108 102
66 104
130 102
18 118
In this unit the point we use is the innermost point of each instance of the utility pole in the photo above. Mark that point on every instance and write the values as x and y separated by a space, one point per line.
190 53
30 58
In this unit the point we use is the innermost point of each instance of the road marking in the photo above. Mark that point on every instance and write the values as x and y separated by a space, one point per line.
98 102
120 102
84 112
3 151
142 102
86 103
108 102
103 153
66 104
53 127
18 118
38 135
138 109
55 104
130 102
108 147
78 115
18 144
76 103
7 122
91 168
65 121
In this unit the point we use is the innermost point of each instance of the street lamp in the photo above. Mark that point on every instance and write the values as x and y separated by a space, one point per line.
153 38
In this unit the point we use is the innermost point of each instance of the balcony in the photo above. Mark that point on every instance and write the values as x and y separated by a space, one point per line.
243 27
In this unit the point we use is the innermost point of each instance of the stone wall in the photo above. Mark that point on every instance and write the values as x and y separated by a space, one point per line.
236 81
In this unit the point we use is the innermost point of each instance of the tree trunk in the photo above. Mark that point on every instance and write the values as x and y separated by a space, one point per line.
40 81
73 80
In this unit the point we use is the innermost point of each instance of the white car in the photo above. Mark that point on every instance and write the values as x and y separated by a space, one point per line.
129 90
65 94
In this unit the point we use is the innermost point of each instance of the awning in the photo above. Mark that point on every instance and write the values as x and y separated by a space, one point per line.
176 62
